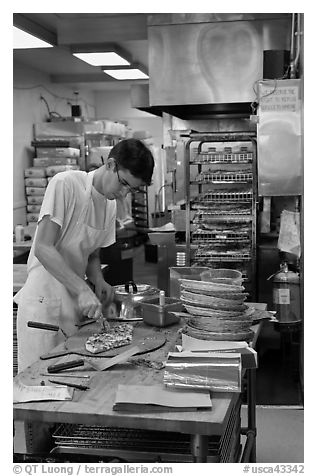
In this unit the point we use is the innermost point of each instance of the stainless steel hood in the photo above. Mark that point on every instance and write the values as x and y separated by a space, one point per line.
140 99
201 68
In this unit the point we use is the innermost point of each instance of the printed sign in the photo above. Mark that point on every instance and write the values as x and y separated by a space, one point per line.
281 296
279 98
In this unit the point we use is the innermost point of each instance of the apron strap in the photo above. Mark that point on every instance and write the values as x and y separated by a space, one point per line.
84 211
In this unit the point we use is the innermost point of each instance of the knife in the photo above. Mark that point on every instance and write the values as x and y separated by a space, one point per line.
96 364
70 384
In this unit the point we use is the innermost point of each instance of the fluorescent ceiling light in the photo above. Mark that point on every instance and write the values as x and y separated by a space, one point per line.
21 39
126 73
109 58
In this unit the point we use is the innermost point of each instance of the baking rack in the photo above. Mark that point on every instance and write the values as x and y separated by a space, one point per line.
224 158
135 445
224 177
221 206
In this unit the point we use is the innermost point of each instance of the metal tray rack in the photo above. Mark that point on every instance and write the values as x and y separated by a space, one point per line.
209 236
145 445
220 193
223 177
223 196
214 158
224 210
206 218
204 255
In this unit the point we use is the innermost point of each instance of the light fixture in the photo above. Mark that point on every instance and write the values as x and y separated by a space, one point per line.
23 40
109 58
123 74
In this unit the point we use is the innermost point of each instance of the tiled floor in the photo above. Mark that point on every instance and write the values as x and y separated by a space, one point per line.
280 434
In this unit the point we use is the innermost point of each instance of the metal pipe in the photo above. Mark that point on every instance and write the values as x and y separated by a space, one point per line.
292 38
295 50
248 448
297 34
199 448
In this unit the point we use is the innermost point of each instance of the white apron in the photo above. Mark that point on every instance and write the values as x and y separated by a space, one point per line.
44 299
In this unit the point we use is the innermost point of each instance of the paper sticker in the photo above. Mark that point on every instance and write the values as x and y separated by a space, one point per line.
281 296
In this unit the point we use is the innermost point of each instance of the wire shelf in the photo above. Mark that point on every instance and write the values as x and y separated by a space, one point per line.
223 176
222 256
83 436
222 158
221 210
223 196
222 219
205 238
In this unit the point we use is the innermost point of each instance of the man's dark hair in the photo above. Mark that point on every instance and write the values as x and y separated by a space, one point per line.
133 155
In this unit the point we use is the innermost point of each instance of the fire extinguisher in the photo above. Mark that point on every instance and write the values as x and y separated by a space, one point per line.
286 295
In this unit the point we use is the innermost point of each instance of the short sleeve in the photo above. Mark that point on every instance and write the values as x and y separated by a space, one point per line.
55 200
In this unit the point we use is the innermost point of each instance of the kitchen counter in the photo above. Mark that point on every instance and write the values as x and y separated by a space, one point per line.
94 406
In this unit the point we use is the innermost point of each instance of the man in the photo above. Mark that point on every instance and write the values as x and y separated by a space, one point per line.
77 217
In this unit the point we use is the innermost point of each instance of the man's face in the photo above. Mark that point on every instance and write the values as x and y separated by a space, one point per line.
120 183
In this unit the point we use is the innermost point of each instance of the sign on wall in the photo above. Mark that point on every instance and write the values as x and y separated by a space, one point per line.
280 147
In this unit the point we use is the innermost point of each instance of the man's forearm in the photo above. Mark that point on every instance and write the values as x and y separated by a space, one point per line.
93 270
55 264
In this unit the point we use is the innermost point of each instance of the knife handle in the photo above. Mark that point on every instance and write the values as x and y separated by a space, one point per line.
42 325
52 355
65 365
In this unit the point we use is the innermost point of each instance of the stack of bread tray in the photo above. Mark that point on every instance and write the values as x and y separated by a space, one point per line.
216 310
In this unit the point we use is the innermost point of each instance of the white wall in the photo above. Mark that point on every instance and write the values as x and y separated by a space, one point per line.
28 85
116 105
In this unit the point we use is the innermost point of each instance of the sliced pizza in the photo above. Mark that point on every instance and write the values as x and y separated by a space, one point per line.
117 336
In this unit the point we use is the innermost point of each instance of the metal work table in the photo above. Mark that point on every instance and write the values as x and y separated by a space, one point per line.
94 407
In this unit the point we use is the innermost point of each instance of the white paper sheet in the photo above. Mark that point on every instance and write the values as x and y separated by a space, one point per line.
289 236
31 393
193 344
159 395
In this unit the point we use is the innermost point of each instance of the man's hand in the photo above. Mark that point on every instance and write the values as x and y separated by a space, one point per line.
104 292
89 304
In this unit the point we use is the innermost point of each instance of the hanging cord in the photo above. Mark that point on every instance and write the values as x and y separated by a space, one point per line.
50 113
67 99
257 100
157 207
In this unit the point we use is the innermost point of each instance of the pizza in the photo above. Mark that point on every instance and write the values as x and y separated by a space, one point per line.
117 336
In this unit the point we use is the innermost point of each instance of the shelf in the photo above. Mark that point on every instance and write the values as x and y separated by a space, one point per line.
221 218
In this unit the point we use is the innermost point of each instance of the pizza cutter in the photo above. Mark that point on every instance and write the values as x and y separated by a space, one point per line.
149 344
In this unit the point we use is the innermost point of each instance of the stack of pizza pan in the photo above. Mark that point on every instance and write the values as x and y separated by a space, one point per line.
216 310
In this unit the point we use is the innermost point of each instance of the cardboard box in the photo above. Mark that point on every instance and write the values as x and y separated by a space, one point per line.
35 190
35 182
57 152
47 161
35 172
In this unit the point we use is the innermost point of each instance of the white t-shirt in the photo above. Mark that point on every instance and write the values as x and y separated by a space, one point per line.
63 202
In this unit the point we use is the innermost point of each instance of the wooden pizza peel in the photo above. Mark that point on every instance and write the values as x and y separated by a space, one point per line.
75 344
124 353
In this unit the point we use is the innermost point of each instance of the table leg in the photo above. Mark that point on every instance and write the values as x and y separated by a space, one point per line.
199 448
252 410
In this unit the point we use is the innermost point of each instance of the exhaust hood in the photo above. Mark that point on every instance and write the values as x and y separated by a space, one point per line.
140 99
208 68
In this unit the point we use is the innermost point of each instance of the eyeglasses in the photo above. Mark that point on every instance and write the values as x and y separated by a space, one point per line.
125 184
